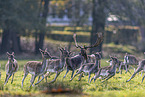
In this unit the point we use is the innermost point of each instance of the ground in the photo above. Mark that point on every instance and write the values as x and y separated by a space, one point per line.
116 86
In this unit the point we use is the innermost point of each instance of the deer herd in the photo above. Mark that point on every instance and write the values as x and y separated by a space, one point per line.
82 63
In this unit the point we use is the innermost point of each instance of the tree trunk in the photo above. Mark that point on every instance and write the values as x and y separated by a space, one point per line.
10 42
42 31
5 46
98 23
15 41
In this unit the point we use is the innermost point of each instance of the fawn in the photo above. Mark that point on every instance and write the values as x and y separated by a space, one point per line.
120 66
130 60
36 68
57 65
11 67
108 71
140 68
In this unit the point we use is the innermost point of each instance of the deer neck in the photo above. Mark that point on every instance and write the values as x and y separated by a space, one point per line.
97 63
11 64
44 63
62 61
113 66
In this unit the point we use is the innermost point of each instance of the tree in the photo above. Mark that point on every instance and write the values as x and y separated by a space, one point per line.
42 17
98 23
16 16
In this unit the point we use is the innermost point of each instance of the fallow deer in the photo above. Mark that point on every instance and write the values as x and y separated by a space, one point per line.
140 68
108 71
130 60
36 68
75 62
90 68
11 67
57 65
120 66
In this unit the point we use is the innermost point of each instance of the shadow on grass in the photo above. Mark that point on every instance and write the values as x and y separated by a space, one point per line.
61 88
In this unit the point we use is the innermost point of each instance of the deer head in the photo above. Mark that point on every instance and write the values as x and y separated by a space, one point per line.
84 48
45 53
10 56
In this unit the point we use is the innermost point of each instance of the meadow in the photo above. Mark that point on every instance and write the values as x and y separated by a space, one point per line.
115 87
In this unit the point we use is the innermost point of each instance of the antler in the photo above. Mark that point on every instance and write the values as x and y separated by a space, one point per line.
74 37
98 41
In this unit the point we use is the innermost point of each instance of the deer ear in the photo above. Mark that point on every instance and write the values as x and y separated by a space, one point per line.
46 50
8 53
41 51
12 53
60 49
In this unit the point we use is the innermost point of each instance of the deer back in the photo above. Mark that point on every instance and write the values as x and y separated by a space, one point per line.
74 62
130 59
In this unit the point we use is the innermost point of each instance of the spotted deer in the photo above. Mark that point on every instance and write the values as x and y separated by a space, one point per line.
108 71
120 66
73 63
57 65
36 68
11 67
90 68
141 67
130 60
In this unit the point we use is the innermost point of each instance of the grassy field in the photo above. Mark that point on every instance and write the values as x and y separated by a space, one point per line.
116 86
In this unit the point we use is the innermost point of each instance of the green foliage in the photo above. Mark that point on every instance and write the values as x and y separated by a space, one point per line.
120 48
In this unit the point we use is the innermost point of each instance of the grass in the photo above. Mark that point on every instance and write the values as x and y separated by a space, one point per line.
116 86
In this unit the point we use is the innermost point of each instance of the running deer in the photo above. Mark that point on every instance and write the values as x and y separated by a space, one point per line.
140 68
90 68
108 71
75 62
36 68
120 66
57 65
11 67
130 60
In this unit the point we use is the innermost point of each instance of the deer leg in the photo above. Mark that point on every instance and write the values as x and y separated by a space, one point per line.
110 76
8 78
40 80
66 73
46 75
129 71
32 80
137 70
126 67
12 78
81 75
89 77
75 74
25 75
143 78
141 73
120 68
57 74
97 74
72 73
